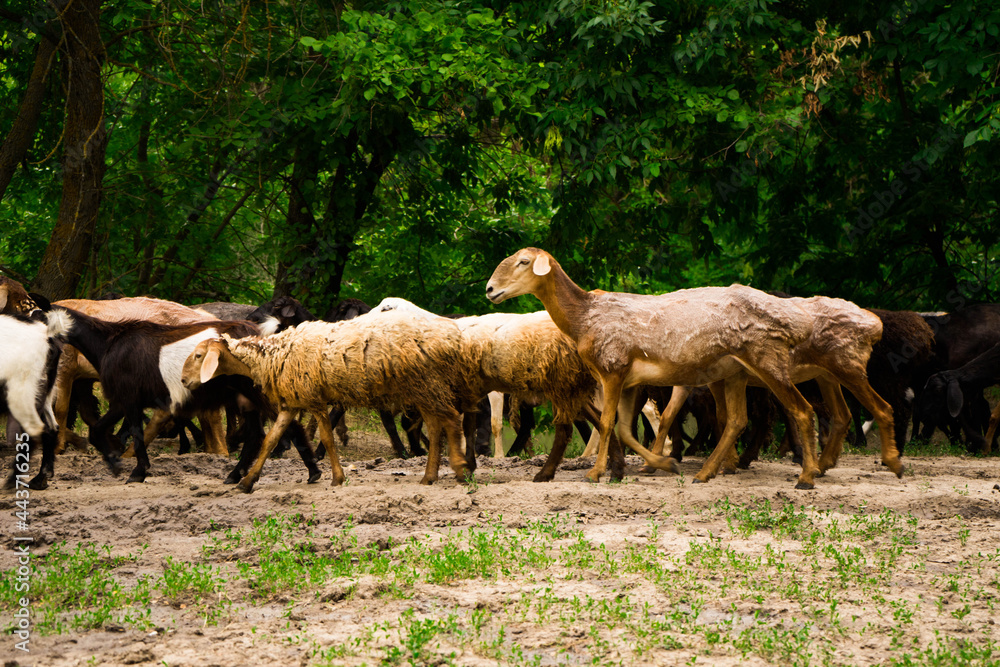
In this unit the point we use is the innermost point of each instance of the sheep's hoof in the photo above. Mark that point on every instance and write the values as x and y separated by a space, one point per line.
805 486
245 486
543 477
699 481
671 466
592 479
314 477
39 483
136 476
647 470
427 481
233 477
115 466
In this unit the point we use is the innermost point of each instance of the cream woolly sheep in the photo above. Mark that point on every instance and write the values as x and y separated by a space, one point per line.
528 357
385 362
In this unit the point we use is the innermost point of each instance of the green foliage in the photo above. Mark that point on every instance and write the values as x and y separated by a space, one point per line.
404 148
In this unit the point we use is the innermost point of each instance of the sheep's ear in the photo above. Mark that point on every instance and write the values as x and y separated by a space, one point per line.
209 364
955 398
41 301
288 311
541 265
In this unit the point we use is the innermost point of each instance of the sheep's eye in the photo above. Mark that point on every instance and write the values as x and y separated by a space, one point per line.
524 260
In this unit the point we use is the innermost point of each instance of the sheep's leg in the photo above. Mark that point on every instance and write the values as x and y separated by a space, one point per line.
719 395
800 412
155 425
433 449
876 405
496 423
23 403
594 418
592 443
731 408
336 415
301 443
389 424
253 430
470 431
563 434
453 430
992 430
344 434
840 417
626 416
215 434
677 397
100 437
65 374
413 426
612 385
135 433
326 435
281 423
761 415
49 438
311 431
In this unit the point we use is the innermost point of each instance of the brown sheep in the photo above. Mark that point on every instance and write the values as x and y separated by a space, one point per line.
835 354
709 335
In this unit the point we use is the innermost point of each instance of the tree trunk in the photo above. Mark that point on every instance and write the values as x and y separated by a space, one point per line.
300 224
84 142
22 133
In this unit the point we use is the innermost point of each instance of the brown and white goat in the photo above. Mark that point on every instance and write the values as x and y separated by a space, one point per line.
140 365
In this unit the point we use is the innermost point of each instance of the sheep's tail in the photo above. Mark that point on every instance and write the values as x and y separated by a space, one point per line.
60 323
269 326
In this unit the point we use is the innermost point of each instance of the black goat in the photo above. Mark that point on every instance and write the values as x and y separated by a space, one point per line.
959 337
949 390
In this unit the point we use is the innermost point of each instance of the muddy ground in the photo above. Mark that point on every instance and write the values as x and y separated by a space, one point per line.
952 504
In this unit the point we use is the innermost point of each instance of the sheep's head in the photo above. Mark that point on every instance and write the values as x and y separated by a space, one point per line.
210 358
941 393
521 273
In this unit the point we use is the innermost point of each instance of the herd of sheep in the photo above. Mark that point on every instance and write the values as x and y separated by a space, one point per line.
596 356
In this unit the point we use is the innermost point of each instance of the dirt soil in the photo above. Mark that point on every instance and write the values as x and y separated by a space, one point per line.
183 499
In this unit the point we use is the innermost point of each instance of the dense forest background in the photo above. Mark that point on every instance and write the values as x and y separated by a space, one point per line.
199 150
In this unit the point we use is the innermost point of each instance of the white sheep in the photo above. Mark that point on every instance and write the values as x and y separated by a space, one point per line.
385 362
